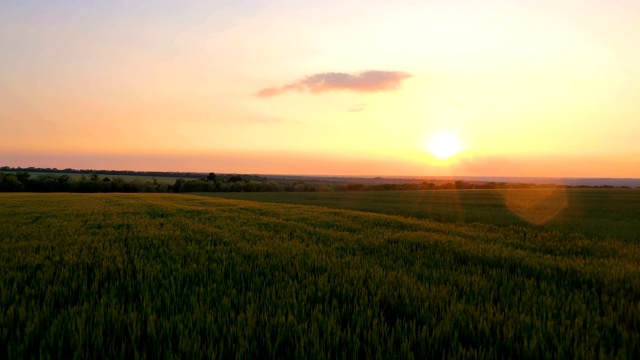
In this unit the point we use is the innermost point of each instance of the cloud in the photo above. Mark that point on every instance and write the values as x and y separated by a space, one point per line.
358 108
368 81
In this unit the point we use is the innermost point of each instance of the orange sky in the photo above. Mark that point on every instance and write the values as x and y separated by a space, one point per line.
537 88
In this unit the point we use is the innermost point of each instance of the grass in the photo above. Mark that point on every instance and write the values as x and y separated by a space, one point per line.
595 213
183 276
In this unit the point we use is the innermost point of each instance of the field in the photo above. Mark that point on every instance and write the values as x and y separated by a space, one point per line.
595 213
364 276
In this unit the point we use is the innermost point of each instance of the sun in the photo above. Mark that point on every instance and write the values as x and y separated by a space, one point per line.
444 145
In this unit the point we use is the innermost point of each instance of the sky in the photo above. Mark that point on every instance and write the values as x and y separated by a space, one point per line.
349 87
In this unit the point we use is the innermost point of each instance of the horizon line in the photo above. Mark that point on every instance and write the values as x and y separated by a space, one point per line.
373 176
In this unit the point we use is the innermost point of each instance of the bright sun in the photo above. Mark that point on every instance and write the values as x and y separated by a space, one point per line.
444 145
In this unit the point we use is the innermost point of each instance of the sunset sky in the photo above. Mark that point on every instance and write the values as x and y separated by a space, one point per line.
515 88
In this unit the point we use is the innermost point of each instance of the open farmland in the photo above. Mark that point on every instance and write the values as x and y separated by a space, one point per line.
595 213
181 276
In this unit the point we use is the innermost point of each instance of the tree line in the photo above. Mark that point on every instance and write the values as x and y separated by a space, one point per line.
112 173
23 181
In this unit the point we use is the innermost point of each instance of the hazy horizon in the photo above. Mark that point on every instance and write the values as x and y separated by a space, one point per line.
262 165
458 88
559 180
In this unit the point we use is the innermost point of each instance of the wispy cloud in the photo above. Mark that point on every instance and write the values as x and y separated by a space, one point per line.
367 81
358 108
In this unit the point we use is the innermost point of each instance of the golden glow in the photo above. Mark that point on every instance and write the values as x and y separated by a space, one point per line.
514 97
536 206
444 145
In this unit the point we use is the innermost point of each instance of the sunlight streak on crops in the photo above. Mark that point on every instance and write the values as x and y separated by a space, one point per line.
537 206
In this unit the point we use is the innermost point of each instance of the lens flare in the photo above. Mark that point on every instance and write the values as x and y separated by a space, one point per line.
536 206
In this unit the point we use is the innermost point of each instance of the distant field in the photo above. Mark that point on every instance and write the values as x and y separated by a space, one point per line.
184 276
596 213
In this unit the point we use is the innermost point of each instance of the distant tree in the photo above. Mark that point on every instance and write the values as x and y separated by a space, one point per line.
447 186
23 177
459 184
9 182
94 177
212 177
117 184
63 179
134 186
177 186
490 185
238 186
428 185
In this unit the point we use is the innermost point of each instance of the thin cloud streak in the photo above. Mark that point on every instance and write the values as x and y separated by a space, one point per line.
358 108
367 81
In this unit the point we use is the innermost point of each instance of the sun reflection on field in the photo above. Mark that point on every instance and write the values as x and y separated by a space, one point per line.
536 206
